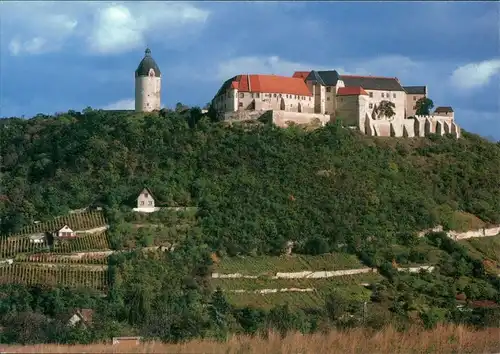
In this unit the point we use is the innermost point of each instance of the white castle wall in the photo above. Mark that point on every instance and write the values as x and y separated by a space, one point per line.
420 126
279 118
147 93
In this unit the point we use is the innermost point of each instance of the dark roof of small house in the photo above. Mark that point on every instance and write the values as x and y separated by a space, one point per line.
86 315
146 64
147 190
443 109
415 90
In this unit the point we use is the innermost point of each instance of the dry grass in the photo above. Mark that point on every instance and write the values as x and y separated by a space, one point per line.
443 339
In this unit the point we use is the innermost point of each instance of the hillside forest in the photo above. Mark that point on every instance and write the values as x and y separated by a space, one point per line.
255 190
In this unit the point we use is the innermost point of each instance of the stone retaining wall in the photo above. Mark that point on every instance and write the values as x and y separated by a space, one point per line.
319 274
456 235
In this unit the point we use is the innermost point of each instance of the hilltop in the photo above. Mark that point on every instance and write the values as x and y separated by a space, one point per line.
263 186
337 200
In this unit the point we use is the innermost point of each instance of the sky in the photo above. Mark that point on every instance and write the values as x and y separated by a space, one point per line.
57 56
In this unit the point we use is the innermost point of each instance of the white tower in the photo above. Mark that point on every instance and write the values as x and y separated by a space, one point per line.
147 85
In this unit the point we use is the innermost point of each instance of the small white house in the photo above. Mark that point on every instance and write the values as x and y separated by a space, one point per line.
37 238
146 202
65 232
82 317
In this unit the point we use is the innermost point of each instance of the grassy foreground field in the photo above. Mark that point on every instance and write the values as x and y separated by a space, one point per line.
442 340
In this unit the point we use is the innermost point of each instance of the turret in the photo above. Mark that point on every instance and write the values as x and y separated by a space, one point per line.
147 85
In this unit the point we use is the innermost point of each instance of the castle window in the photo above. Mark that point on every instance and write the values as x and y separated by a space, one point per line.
258 95
150 202
328 89
393 95
414 98
274 95
328 98
251 95
371 94
370 105
240 104
142 202
146 195
279 95
309 98
242 95
382 95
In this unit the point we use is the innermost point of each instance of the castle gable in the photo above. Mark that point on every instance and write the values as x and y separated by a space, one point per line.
325 78
301 74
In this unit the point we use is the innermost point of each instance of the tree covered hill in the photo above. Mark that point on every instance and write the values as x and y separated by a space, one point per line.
256 187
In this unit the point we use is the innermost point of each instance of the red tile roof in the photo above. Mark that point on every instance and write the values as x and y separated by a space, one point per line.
270 84
86 314
350 91
301 74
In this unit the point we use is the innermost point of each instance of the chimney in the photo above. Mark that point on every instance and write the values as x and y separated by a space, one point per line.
249 85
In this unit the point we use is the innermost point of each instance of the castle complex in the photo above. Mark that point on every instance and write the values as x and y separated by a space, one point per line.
325 96
312 96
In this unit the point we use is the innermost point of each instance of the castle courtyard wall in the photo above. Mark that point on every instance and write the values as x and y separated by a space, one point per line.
277 117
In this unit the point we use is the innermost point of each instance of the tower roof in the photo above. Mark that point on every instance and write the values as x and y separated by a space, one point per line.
146 64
